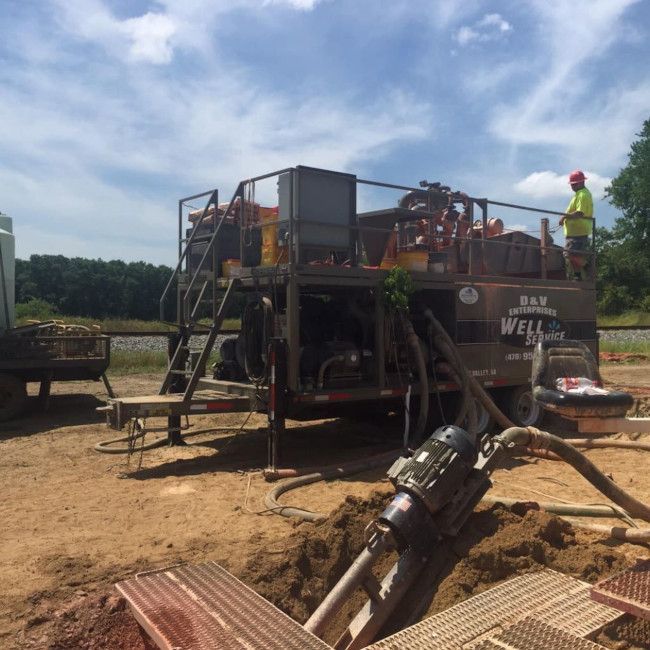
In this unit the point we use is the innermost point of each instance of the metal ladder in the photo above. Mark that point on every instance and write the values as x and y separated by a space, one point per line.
187 310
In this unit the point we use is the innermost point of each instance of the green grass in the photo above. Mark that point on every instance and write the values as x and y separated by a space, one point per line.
130 362
627 318
632 347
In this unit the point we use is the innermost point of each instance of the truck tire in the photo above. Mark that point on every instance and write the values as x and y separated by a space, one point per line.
13 396
521 408
484 421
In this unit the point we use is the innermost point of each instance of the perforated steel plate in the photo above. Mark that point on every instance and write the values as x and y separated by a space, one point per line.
628 591
531 634
205 607
551 596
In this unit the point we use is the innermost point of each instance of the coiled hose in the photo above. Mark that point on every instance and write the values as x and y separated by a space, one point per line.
339 471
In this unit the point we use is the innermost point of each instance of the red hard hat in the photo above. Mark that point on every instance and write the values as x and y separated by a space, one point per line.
577 177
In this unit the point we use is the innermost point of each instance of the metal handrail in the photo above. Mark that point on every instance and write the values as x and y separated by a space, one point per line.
238 192
213 195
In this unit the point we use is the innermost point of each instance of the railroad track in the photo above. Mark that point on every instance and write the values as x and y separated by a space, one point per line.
600 328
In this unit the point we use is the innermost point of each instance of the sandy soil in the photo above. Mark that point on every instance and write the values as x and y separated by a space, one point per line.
75 521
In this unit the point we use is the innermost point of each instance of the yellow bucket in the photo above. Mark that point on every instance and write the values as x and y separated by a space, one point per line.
413 260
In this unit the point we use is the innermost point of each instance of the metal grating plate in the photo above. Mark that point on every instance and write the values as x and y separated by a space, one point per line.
205 607
628 591
485 615
575 611
531 634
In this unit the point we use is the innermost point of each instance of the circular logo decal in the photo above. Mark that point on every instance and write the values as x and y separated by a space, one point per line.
468 295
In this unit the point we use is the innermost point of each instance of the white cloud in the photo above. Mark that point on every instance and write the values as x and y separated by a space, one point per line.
150 37
85 152
562 106
305 5
495 20
549 184
489 28
153 36
521 227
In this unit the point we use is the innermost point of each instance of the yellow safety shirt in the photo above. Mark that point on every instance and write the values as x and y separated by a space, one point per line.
581 202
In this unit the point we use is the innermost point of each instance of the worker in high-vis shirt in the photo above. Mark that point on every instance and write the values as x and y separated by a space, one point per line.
578 226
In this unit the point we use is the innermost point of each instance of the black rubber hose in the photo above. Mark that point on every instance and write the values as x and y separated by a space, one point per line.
447 347
536 439
466 402
423 381
257 329
355 467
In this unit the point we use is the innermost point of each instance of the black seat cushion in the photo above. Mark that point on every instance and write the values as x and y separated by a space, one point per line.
566 358
560 398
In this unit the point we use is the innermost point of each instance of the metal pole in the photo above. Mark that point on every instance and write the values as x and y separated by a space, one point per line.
177 384
543 248
346 586
277 407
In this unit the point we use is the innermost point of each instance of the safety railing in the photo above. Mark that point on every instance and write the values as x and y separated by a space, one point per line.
475 246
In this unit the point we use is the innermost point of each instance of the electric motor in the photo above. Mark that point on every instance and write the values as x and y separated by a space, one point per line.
426 482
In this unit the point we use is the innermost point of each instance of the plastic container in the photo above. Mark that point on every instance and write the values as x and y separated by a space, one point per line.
231 268
413 260
272 252
7 277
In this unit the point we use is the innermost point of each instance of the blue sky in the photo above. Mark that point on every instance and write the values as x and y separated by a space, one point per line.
112 110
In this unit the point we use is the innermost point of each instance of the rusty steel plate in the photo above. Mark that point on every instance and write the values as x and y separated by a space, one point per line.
628 591
203 607
531 634
554 597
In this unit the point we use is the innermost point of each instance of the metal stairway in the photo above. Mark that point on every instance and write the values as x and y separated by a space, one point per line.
176 396
187 310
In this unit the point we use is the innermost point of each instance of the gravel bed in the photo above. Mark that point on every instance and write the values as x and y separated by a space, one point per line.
154 343
625 336
142 343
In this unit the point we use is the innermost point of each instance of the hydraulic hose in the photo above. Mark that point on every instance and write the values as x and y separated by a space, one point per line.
466 403
350 467
257 328
633 535
423 380
587 443
571 509
448 349
355 467
536 439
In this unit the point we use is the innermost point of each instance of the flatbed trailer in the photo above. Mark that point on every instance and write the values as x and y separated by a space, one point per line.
322 295
44 353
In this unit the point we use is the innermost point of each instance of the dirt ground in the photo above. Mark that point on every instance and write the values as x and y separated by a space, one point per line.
75 521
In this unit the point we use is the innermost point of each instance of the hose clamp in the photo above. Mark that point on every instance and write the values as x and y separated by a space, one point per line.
538 439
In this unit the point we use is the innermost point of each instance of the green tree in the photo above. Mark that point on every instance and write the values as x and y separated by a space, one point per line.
624 252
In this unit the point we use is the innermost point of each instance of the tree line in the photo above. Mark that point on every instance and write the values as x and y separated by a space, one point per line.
623 253
93 288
